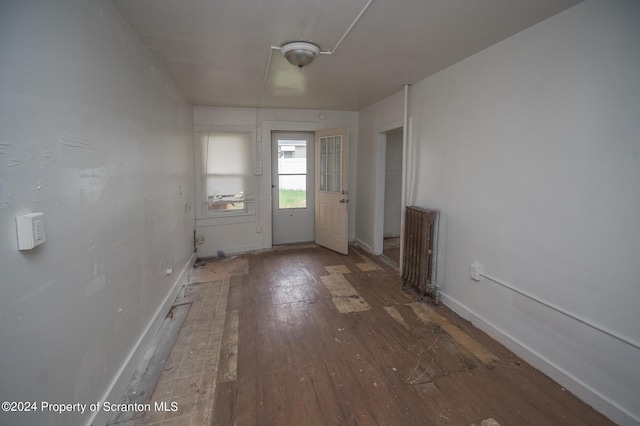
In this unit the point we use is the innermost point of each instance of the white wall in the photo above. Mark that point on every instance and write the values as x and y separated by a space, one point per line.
530 149
254 232
94 136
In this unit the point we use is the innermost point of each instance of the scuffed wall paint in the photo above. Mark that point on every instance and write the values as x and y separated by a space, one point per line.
93 135
527 148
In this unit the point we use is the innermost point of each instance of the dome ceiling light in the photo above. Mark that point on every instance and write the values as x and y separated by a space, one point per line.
300 53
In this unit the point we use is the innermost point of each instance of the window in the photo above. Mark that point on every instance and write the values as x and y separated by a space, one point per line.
229 181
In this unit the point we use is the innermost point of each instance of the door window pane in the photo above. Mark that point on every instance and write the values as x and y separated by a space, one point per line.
292 174
331 164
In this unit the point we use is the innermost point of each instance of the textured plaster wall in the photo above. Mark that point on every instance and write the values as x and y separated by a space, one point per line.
94 136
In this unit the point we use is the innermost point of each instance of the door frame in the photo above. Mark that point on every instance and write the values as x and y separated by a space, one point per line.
304 214
381 164
264 149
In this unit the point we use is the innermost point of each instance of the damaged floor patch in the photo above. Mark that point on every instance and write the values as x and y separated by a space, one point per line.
395 314
229 349
344 296
368 266
337 269
427 314
190 374
486 422
214 269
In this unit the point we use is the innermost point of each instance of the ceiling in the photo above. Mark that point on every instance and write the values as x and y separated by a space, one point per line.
219 51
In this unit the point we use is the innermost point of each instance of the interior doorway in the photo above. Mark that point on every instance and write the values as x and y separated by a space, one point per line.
292 184
392 195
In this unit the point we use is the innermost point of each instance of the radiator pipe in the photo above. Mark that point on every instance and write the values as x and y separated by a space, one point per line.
353 24
563 312
403 196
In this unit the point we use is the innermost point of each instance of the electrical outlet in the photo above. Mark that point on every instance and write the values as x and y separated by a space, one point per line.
476 271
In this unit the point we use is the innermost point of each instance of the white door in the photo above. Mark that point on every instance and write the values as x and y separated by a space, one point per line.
332 192
292 187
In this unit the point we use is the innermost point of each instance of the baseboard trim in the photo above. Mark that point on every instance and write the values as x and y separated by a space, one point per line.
229 251
573 384
119 384
366 247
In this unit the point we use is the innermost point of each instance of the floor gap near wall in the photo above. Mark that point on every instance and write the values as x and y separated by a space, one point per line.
140 389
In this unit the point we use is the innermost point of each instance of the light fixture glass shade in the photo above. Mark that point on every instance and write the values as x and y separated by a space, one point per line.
300 54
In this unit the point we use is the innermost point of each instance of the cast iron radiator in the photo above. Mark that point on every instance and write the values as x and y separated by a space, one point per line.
420 243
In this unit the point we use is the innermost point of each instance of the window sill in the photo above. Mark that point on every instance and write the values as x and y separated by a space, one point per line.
225 220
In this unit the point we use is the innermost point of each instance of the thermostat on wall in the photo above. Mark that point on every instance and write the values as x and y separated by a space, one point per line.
30 230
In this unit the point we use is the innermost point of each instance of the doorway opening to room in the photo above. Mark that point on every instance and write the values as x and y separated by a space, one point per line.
392 206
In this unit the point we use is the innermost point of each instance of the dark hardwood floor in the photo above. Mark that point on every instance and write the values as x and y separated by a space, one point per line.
312 337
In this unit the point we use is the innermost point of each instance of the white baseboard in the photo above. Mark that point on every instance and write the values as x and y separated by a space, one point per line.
366 247
229 250
573 384
119 384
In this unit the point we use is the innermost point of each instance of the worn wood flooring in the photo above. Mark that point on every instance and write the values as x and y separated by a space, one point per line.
311 337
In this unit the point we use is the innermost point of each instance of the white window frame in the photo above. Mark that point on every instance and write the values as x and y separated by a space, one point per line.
222 216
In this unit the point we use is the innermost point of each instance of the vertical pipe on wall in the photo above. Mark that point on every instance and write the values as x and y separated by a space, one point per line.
257 171
403 198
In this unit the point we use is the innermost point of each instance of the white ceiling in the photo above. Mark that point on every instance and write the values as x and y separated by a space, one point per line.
217 50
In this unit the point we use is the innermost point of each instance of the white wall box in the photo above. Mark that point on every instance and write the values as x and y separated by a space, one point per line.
30 229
